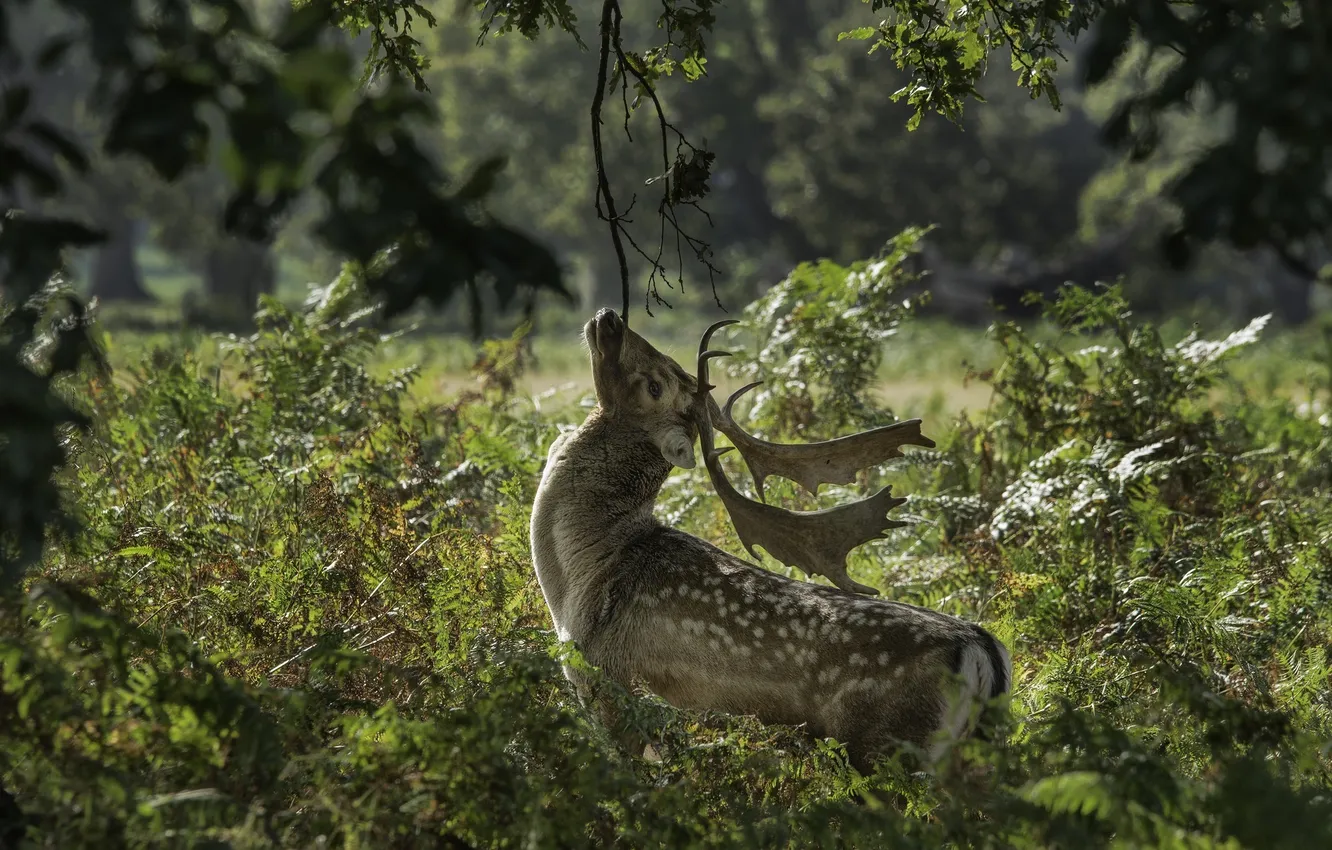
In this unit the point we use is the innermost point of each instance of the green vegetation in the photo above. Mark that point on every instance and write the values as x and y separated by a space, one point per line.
273 588
303 608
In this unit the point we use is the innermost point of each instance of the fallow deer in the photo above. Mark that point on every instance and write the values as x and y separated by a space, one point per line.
704 629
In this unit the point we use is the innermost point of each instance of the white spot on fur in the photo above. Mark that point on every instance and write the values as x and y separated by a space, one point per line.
758 632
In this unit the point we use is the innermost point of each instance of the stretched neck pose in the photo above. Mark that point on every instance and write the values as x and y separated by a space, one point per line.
704 629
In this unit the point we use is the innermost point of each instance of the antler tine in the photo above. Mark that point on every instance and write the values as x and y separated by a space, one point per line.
811 464
713 328
704 355
816 541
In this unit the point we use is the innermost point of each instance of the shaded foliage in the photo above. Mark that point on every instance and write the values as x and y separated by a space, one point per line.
290 116
304 611
1265 181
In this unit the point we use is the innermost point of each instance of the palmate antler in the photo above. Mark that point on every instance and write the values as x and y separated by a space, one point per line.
815 541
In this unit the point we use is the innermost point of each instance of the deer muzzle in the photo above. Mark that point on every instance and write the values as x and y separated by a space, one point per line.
605 333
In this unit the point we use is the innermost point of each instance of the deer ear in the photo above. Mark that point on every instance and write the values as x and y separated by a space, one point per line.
677 447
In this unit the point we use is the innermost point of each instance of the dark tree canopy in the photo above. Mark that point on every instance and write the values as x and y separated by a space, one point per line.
282 103
1262 64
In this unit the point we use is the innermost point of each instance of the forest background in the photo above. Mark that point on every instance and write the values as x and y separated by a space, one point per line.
814 159
264 560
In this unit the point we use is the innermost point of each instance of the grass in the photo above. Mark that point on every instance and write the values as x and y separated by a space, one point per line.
302 610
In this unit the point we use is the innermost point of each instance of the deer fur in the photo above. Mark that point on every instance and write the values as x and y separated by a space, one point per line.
704 629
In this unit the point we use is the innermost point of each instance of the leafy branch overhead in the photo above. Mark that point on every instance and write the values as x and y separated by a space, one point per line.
946 47
390 23
636 77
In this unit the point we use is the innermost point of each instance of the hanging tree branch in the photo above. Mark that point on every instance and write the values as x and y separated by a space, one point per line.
683 183
610 30
684 180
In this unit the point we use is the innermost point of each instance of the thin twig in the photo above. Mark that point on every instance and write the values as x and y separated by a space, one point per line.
702 250
609 18
611 21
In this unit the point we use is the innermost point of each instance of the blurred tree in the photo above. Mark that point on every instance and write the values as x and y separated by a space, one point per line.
844 166
187 215
109 191
1259 64
1255 72
115 271
813 157
1139 187
181 81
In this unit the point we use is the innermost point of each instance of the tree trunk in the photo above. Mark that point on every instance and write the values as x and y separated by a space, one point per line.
237 272
115 271
1291 297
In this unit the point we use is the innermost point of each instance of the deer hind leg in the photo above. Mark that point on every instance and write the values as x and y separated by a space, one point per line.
927 713
876 719
983 671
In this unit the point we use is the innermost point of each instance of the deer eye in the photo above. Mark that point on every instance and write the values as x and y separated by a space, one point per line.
654 388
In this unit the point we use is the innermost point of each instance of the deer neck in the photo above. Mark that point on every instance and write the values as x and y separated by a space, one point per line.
595 499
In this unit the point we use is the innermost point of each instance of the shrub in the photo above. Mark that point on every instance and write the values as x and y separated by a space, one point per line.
303 613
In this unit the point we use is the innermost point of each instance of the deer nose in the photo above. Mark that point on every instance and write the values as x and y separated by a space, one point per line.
608 323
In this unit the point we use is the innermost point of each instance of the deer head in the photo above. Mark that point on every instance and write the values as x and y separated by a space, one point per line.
815 541
706 630
634 380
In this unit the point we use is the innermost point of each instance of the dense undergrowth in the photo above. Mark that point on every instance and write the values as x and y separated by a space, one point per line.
302 612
